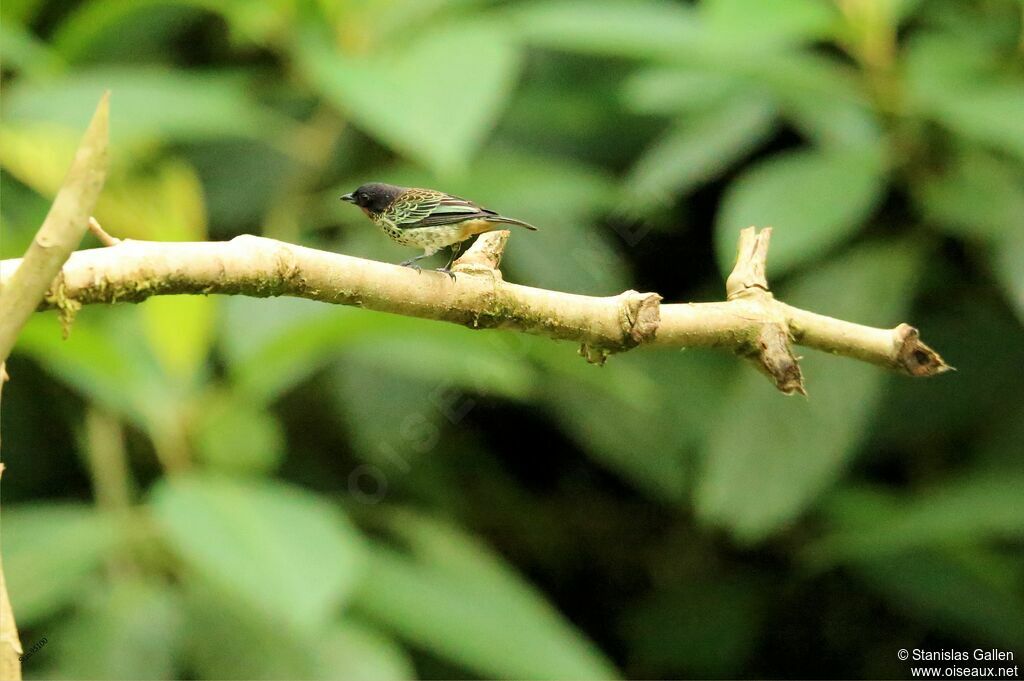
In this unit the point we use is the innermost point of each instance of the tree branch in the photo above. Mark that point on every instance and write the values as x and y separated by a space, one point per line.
751 322
61 232
21 291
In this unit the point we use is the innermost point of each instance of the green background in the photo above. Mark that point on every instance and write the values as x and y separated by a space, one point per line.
215 487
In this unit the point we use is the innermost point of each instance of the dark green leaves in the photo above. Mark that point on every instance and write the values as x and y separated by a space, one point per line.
451 596
434 96
813 199
132 629
763 468
231 639
927 552
695 150
960 512
980 197
33 535
954 81
252 540
610 27
150 103
770 22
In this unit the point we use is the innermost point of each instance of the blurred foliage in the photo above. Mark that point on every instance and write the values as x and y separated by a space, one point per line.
287 489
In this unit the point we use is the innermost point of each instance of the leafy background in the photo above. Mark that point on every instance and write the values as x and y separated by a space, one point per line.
232 488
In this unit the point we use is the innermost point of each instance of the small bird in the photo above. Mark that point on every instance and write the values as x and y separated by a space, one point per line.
426 218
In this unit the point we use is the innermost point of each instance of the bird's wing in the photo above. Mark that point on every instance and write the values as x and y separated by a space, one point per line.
450 210
412 205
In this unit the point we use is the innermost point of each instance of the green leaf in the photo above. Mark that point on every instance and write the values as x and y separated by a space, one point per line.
21 50
959 83
671 32
989 114
162 202
696 150
242 341
127 630
768 456
391 418
353 651
936 60
105 359
802 77
453 597
704 628
961 512
92 31
434 97
396 411
833 122
981 337
296 338
229 639
149 103
619 435
814 200
770 22
619 28
50 552
234 434
448 354
670 90
978 197
180 332
614 424
1008 261
307 338
22 211
998 449
20 11
962 593
291 555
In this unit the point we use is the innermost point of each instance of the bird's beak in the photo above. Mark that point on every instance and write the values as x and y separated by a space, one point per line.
349 198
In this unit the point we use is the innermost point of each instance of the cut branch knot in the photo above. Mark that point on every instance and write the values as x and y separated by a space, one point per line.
639 316
771 347
751 262
914 357
484 256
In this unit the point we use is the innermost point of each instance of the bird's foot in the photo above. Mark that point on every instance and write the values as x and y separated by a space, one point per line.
446 270
411 264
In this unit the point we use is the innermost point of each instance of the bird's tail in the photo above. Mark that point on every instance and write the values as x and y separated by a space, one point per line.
509 221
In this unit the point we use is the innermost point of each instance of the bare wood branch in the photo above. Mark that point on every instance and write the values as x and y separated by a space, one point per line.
485 254
751 263
10 642
61 232
20 293
752 323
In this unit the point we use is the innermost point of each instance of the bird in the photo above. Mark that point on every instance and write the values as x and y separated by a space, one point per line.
426 218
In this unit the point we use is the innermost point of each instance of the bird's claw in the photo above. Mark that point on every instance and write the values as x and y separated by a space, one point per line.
445 270
411 264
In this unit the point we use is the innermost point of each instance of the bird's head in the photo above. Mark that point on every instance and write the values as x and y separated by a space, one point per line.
373 197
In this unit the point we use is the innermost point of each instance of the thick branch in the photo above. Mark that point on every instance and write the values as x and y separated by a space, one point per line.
751 323
61 232
20 293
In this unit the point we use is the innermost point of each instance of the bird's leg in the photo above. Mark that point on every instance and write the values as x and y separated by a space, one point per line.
447 269
411 262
